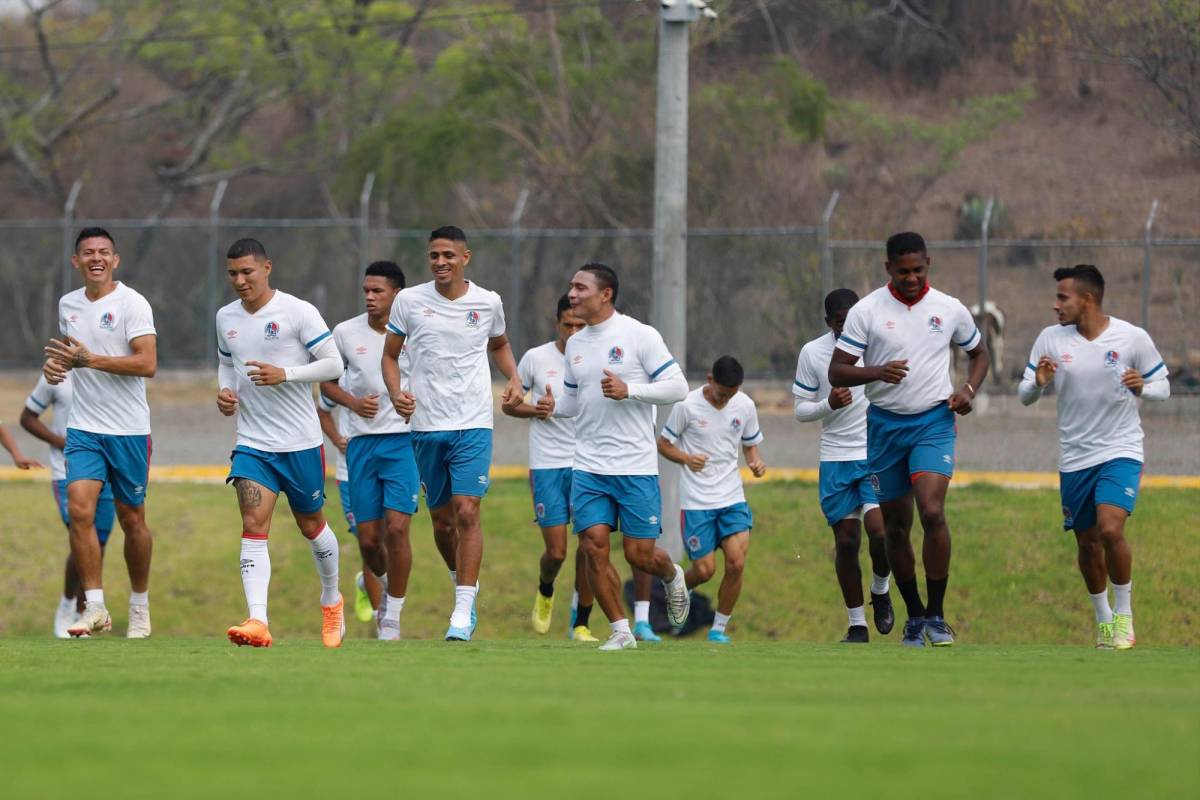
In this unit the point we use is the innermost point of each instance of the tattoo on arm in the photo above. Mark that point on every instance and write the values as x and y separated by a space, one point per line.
82 358
248 492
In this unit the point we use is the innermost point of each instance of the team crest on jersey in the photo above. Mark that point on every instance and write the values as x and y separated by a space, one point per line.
935 324
616 355
1111 358
472 319
736 424
540 510
271 330
107 321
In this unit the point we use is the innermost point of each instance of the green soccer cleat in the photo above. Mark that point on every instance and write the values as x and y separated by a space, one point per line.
1104 636
1123 638
362 601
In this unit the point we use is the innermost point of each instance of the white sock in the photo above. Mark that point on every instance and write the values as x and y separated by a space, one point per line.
1122 598
857 616
1100 604
620 626
720 621
464 598
382 581
325 554
256 576
66 603
574 601
641 611
393 607
880 585
139 599
93 596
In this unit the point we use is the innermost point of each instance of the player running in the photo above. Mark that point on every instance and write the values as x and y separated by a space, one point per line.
618 369
383 475
450 324
1099 366
109 341
902 333
845 487
57 400
272 346
704 434
551 453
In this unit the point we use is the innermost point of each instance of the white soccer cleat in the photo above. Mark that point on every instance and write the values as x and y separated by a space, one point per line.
389 630
94 618
63 619
679 601
139 623
620 640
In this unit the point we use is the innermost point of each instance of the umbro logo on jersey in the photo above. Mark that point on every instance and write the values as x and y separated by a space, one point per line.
949 459
427 312
73 318
616 355
890 325
230 334
271 330
703 423
1111 358
550 373
935 324
107 321
577 360
1066 358
472 319
361 350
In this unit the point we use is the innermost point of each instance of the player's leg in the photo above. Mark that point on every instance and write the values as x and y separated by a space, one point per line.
734 547
399 549
364 460
71 602
582 599
847 537
1077 491
553 555
87 470
642 590
881 599
301 476
256 503
128 459
469 460
929 491
595 515
699 531
639 509
1116 495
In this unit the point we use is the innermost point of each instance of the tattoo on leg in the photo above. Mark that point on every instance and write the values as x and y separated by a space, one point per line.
249 495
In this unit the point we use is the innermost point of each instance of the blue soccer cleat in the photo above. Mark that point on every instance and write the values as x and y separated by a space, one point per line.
719 637
644 633
914 632
454 634
939 632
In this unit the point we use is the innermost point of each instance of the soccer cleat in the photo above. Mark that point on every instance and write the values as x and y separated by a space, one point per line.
454 634
884 614
939 632
139 623
914 632
1104 635
94 619
362 600
333 624
63 619
582 633
389 630
474 616
644 633
619 640
253 633
856 634
719 637
543 608
1123 638
679 600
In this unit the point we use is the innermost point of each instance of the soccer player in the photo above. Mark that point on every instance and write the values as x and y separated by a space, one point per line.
845 487
109 341
450 324
902 333
57 400
551 453
1099 366
272 347
383 475
618 370
704 434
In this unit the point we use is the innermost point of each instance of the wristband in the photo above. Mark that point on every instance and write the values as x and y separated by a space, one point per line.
970 388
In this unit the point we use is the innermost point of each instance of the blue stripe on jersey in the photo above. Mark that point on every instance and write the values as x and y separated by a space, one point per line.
658 371
393 329
327 403
1151 372
570 385
318 340
851 342
668 430
1032 367
806 388
526 388
38 403
222 352
970 339
751 436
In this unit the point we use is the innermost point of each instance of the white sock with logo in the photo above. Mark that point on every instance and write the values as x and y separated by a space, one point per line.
464 598
720 621
256 576
325 554
641 611
620 626
1123 598
1100 605
391 611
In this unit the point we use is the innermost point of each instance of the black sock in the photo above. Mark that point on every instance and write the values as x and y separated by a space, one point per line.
582 613
912 597
547 589
937 593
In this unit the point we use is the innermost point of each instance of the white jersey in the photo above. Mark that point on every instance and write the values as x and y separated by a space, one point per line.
56 399
361 347
699 428
1097 416
340 470
283 333
616 437
843 430
448 343
882 328
107 403
551 441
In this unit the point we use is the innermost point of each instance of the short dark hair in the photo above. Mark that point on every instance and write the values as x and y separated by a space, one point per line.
901 244
246 247
94 233
728 372
839 300
1086 275
606 276
387 269
564 303
451 232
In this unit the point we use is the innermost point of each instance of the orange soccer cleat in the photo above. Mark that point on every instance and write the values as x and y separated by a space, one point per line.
333 624
252 632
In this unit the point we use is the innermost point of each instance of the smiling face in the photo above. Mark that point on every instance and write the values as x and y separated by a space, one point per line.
909 274
250 278
448 261
96 259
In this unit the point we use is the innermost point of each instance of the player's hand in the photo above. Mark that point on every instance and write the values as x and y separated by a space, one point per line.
367 407
960 402
69 352
840 397
1133 381
545 406
227 402
758 467
405 404
695 461
265 374
25 463
613 387
341 443
1045 371
55 371
893 371
513 393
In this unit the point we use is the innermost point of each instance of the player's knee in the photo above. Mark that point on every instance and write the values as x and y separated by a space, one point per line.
1111 531
556 554
846 545
397 530
705 568
133 523
735 565
594 549
932 513
467 514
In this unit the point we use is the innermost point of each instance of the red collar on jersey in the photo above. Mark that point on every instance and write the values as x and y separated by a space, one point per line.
906 301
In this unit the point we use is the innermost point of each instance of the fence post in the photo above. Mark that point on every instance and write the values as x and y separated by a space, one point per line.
364 225
68 241
826 248
515 284
214 258
1147 260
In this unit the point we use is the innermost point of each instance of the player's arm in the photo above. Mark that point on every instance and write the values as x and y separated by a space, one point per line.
750 443
70 353
844 373
516 406
668 450
807 406
366 407
10 444
33 425
327 365
754 460
977 370
667 383
502 357
330 429
1151 384
403 401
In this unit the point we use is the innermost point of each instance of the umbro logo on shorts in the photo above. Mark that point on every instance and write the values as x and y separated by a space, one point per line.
1129 492
316 495
949 459
653 520
483 479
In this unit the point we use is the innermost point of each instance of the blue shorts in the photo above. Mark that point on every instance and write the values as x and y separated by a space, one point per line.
344 494
121 461
383 475
551 496
902 446
453 462
1113 483
629 503
299 474
845 487
703 529
106 511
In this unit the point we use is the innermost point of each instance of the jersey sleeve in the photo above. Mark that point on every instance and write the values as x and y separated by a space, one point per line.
525 370
1146 359
965 334
677 423
498 325
139 318
224 352
808 382
655 359
1041 347
313 330
339 341
41 398
854 338
751 431
397 323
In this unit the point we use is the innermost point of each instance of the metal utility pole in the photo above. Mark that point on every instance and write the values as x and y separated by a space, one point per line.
1147 261
212 293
